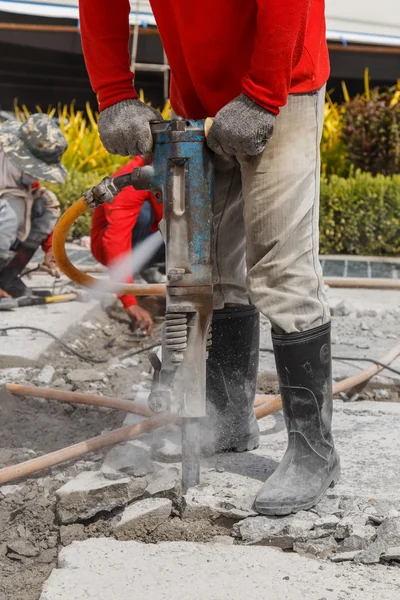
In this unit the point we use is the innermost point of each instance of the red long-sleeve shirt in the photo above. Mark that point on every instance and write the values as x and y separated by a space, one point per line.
216 50
112 224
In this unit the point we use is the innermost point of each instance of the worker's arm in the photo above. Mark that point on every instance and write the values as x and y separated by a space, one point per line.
105 41
124 121
245 124
279 44
117 243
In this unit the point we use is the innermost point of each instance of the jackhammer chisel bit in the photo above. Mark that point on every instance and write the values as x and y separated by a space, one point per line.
181 177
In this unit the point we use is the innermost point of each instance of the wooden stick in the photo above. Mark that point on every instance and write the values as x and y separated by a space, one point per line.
77 398
379 283
77 450
355 380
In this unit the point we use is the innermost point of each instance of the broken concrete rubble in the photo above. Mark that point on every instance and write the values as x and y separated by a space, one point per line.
91 493
165 482
282 532
46 374
392 554
143 517
203 503
127 458
321 548
84 375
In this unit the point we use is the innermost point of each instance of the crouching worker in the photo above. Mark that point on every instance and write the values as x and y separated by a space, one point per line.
120 226
29 152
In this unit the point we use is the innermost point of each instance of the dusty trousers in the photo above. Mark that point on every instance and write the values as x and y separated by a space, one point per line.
266 222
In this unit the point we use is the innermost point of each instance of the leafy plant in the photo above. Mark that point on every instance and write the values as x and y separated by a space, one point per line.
360 215
371 130
333 150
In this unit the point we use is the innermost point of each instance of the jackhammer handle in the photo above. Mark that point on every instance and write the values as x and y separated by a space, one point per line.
207 126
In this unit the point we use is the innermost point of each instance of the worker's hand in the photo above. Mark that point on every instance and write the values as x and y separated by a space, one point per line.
3 294
125 127
241 127
140 317
49 265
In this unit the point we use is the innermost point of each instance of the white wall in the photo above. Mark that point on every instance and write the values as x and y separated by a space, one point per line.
370 17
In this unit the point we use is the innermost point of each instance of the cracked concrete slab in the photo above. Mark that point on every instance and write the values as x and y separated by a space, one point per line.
106 569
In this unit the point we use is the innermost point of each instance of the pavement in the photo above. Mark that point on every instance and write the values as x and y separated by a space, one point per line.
104 569
367 438
20 348
369 327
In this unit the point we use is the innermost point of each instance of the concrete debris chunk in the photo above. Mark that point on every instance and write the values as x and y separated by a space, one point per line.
328 505
282 532
84 375
392 554
127 458
372 554
9 490
344 556
23 548
143 517
164 482
346 525
91 493
328 522
46 374
389 531
130 361
360 537
321 548
202 503
342 309
367 312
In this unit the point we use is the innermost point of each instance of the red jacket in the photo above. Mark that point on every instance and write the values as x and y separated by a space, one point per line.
216 49
112 224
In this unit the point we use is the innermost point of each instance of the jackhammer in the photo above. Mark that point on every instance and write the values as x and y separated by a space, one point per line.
181 177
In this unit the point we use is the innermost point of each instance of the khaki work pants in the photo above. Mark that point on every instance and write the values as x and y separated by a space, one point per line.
266 222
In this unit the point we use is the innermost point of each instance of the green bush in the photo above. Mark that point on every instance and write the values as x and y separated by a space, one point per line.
371 132
72 189
360 215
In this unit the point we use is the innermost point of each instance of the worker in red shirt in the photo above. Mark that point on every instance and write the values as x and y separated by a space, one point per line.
118 227
259 68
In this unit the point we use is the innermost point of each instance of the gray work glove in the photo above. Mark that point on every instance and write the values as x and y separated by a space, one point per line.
125 127
241 127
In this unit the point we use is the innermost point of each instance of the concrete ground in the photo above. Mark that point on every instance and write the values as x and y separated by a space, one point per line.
104 569
367 439
366 436
21 347
369 328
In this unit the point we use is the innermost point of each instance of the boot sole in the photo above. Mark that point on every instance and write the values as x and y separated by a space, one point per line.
250 443
288 510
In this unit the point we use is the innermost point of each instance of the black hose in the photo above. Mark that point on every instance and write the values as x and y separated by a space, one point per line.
62 344
84 357
353 358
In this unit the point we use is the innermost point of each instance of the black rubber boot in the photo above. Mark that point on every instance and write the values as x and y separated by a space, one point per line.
232 368
9 276
311 463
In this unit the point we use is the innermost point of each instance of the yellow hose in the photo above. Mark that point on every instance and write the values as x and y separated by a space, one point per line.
59 238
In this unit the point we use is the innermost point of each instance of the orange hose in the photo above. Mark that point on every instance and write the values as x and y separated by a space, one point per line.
77 209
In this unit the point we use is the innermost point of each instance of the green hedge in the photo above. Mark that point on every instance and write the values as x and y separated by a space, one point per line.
72 189
359 215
